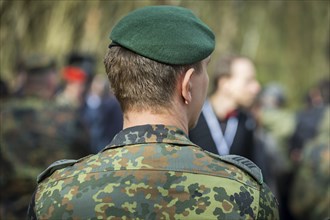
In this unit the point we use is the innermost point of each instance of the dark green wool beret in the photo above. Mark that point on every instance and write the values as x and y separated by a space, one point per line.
167 34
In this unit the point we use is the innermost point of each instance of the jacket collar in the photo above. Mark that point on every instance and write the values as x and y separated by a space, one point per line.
146 134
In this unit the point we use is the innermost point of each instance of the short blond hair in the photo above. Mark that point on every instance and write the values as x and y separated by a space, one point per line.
139 82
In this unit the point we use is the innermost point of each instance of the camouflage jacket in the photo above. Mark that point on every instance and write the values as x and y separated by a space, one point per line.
153 172
310 194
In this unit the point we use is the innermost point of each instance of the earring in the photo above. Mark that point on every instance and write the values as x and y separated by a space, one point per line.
186 102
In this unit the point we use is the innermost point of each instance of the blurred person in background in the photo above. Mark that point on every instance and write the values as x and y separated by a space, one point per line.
307 125
34 132
102 114
278 120
308 119
310 194
225 125
87 92
278 123
84 61
74 87
77 76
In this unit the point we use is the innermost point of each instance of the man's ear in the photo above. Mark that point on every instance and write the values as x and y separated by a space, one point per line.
187 85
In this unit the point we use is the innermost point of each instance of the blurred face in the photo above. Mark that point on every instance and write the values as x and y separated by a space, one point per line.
76 90
242 86
200 82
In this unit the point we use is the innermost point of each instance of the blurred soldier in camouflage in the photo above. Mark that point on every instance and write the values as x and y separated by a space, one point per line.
34 132
310 190
156 65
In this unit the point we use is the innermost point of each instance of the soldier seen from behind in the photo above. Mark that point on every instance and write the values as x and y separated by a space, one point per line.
34 132
157 68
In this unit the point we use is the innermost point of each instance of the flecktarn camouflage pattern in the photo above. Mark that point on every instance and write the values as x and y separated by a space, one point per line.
153 172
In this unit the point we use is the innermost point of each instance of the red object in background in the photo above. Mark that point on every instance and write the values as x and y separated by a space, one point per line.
74 74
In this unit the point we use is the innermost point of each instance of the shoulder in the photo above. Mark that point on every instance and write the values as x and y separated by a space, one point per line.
235 167
268 205
58 165
241 164
246 165
250 176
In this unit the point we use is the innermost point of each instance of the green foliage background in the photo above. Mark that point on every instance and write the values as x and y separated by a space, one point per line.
288 40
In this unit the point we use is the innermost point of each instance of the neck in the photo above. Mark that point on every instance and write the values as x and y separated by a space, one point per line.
171 117
222 105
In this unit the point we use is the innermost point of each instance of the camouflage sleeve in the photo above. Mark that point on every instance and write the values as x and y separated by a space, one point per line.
268 205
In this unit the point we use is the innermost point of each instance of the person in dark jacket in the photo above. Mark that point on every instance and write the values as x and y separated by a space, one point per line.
225 126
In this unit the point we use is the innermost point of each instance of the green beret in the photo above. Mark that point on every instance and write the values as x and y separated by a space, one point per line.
167 34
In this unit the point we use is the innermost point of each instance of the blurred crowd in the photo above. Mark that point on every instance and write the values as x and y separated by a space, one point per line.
67 112
51 113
